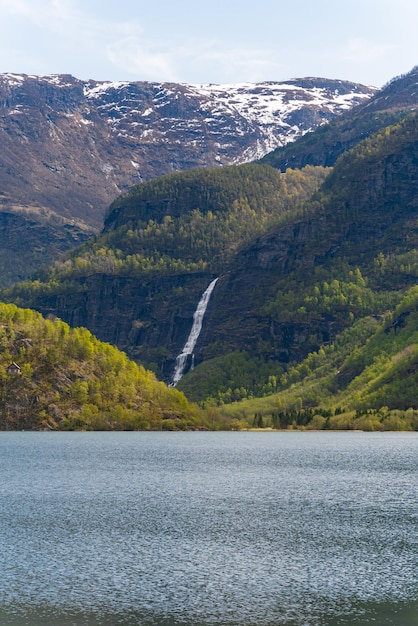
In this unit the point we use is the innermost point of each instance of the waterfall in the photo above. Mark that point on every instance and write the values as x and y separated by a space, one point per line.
189 346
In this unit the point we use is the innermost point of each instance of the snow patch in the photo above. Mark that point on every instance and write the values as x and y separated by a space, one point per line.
14 80
100 89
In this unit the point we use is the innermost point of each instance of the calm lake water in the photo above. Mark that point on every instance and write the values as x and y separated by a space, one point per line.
160 529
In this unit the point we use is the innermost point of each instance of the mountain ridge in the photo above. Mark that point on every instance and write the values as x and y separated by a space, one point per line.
323 147
72 146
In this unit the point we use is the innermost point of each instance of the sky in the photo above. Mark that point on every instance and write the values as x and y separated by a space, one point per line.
214 41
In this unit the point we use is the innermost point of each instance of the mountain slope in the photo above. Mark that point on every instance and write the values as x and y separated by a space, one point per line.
365 379
304 269
54 377
137 284
323 146
365 211
29 241
70 147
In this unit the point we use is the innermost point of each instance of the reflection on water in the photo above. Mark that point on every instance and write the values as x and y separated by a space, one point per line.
164 529
387 614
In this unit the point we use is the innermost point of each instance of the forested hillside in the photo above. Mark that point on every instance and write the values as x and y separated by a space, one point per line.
352 254
193 221
313 318
54 377
138 283
367 379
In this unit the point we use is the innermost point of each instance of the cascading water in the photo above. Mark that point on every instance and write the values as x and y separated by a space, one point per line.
189 346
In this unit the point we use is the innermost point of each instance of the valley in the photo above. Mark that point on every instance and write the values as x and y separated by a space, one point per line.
312 321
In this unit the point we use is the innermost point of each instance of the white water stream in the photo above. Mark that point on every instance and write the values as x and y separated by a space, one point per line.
189 346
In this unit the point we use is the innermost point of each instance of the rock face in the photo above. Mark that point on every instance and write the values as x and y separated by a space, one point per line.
27 243
153 317
69 147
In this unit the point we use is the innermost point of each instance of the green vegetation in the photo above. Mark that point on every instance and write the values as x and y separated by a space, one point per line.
366 379
316 322
182 223
232 377
341 292
213 191
67 379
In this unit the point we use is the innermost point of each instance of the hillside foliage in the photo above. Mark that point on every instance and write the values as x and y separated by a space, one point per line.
365 261
181 223
66 379
319 328
366 379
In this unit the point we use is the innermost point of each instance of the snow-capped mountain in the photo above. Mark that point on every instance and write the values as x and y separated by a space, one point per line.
69 147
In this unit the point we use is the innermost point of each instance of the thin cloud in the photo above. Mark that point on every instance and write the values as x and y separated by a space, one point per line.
131 55
360 49
235 64
165 61
74 32
130 43
50 15
63 17
124 46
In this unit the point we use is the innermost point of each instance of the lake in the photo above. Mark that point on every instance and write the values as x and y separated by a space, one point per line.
197 529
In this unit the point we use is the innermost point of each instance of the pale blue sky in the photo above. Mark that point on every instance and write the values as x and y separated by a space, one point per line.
217 41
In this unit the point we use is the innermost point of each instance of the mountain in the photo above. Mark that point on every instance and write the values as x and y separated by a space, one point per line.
313 317
69 147
300 257
326 144
365 208
137 284
351 255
